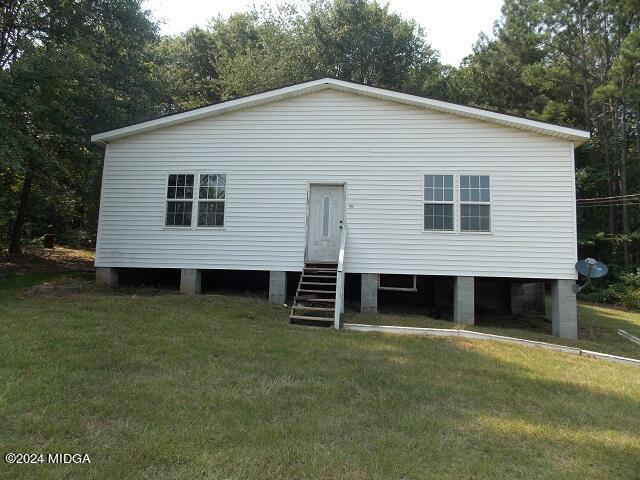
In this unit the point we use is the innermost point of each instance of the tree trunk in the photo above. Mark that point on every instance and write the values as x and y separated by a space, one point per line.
584 69
15 245
623 188
638 135
607 161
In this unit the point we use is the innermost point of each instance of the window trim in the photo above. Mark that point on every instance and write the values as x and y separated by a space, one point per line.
166 200
413 288
453 203
194 219
207 200
457 203
489 203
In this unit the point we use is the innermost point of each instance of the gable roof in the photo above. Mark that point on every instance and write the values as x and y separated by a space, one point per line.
566 133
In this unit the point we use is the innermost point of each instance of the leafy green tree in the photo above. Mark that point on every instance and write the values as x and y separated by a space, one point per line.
260 50
185 69
364 42
623 91
70 69
494 73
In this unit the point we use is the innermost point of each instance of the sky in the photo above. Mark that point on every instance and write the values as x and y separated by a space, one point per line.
452 26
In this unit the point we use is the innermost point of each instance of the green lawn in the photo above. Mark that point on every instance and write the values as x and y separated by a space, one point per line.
165 386
598 327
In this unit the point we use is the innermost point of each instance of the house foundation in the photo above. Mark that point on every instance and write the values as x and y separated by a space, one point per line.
278 287
464 300
564 311
190 281
369 293
527 298
107 276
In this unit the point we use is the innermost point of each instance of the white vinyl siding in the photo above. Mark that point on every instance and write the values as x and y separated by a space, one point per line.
382 150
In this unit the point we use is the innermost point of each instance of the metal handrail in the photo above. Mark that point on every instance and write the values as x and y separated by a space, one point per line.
339 306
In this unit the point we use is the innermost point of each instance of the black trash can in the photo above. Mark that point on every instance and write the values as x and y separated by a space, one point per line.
49 240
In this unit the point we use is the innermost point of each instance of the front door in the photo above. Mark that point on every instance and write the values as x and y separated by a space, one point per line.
326 215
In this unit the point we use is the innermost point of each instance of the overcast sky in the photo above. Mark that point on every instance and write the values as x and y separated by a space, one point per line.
452 26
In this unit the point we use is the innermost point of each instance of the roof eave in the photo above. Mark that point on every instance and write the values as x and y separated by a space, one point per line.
216 109
565 133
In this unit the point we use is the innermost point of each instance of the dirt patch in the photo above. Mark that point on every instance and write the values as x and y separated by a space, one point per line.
62 286
38 259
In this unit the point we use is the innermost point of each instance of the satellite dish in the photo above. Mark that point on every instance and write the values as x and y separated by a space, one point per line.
590 268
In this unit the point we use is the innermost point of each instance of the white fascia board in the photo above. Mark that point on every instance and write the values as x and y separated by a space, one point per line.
578 136
210 110
571 134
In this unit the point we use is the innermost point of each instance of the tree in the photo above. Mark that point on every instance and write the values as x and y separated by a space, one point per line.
495 71
364 42
70 69
268 47
185 68
260 50
623 91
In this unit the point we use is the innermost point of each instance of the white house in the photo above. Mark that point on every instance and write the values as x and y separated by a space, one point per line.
271 181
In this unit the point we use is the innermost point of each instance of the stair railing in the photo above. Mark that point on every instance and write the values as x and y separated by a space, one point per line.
339 306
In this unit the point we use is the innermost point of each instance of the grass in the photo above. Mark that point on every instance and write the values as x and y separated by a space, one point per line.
39 265
597 327
166 386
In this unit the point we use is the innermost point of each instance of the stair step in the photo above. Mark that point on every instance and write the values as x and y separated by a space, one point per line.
315 309
318 283
330 277
322 270
312 319
299 298
320 263
316 291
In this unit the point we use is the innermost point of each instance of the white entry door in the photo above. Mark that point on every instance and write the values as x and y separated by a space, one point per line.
326 216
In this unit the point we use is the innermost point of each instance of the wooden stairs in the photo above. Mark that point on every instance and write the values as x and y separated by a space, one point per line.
315 300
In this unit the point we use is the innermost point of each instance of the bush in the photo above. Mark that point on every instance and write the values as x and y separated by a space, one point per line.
631 299
626 291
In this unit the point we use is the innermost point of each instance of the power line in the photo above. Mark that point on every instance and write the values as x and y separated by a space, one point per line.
615 196
631 196
630 204
618 202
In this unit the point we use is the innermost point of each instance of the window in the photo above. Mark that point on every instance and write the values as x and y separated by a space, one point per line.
475 203
325 217
401 283
179 200
211 200
438 202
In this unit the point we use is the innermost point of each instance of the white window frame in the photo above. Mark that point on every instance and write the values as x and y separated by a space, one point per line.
207 200
489 203
452 202
414 288
167 200
195 200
